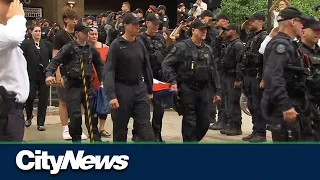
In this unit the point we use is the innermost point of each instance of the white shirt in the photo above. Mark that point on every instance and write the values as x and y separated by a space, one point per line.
264 44
203 6
13 66
319 43
275 17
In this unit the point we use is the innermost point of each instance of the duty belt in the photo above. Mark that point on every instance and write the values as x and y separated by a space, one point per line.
196 85
128 82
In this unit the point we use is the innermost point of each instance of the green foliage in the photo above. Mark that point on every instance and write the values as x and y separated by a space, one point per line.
237 10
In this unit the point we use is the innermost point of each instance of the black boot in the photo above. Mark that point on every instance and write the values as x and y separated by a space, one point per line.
216 126
159 138
224 128
258 138
234 130
247 138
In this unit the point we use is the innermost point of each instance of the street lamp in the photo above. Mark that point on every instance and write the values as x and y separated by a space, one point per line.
71 3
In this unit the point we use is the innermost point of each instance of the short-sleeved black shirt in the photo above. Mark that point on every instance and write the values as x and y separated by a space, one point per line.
62 38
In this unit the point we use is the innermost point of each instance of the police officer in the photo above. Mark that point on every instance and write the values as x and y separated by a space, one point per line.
156 47
163 17
218 44
308 45
252 63
231 77
128 83
284 101
190 67
72 56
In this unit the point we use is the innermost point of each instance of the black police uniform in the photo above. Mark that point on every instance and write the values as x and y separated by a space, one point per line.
285 74
70 56
252 65
157 51
128 78
313 85
231 72
219 45
192 68
165 21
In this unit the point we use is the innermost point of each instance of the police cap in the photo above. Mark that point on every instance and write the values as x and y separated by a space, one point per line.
312 23
206 13
232 27
161 7
222 16
290 13
154 18
79 27
130 18
256 16
198 24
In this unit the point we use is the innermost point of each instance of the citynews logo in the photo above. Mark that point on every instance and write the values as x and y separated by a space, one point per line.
40 160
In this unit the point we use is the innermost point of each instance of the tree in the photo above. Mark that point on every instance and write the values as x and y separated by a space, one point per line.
237 10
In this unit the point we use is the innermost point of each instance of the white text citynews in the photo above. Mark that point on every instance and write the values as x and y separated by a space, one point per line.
40 160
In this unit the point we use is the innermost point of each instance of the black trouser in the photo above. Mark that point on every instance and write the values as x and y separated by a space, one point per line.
196 117
158 111
133 102
222 114
75 97
12 127
43 90
254 95
213 106
232 100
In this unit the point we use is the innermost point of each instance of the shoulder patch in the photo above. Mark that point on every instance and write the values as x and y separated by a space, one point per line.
174 49
281 48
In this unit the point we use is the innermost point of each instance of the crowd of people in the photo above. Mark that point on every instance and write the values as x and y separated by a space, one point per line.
207 60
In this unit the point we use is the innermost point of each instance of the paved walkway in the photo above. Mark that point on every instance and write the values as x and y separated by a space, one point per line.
171 130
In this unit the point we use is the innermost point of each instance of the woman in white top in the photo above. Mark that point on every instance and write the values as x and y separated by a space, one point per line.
274 14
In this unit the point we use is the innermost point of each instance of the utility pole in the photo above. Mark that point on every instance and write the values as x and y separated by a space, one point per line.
269 23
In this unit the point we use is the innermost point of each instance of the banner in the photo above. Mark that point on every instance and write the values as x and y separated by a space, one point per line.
159 161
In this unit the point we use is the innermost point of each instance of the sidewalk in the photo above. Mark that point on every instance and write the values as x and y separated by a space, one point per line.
171 130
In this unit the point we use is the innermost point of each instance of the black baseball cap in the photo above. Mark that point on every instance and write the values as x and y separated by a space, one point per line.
222 16
154 18
161 7
81 28
130 18
199 24
290 13
312 22
206 13
232 27
257 16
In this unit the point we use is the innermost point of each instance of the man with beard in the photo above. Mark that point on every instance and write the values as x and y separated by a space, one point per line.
284 98
128 83
156 46
231 77
164 18
274 14
218 44
253 35
190 67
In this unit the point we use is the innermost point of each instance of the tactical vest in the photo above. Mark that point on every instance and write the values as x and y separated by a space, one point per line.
224 64
196 64
74 71
313 81
156 50
295 74
251 58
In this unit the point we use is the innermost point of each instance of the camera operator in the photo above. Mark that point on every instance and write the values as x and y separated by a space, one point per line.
181 12
45 28
53 31
197 8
